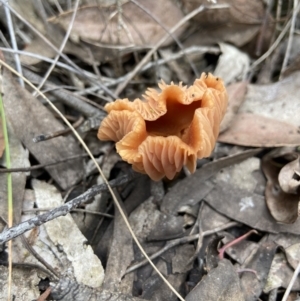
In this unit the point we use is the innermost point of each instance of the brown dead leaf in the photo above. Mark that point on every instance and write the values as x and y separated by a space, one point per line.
193 189
259 131
102 52
279 100
221 283
54 34
174 263
155 289
268 116
29 118
132 27
284 239
39 47
237 25
27 9
283 206
74 253
253 284
211 219
293 254
120 254
289 177
238 194
236 95
280 274
148 222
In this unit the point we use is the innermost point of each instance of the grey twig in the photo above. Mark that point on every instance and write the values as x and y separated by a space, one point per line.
290 40
276 43
292 281
68 289
13 40
62 46
175 242
72 100
36 221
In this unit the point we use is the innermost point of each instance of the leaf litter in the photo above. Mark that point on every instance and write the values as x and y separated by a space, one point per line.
184 222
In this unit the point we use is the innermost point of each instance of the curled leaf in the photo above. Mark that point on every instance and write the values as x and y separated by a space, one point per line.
283 206
289 177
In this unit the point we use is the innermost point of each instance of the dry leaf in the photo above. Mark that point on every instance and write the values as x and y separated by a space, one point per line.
259 131
132 27
27 10
260 262
293 254
236 95
237 25
289 177
67 289
232 65
211 219
39 47
238 194
221 283
267 116
279 100
150 223
29 118
283 206
120 255
193 189
280 274
67 242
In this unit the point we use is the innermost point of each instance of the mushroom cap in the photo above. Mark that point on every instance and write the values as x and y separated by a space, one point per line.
168 129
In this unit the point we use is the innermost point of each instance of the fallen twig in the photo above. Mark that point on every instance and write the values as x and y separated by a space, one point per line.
41 219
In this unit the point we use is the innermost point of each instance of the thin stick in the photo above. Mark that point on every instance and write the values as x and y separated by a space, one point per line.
13 40
44 137
62 46
289 288
39 166
275 44
290 40
64 209
38 257
9 189
235 241
172 243
49 60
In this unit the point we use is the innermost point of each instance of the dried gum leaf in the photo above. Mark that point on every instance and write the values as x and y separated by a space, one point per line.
259 131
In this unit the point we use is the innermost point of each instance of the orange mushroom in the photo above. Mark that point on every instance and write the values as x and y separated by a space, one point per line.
169 129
